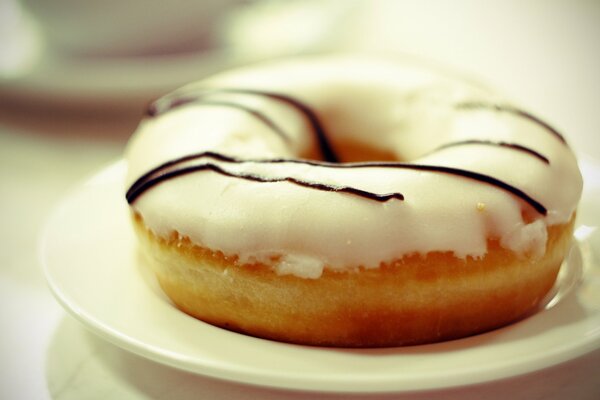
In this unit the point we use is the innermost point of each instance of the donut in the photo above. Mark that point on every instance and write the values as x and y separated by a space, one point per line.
350 201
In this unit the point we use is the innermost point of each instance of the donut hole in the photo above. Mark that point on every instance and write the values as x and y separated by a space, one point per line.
354 151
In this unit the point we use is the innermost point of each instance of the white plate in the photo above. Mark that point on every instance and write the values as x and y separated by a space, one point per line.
91 263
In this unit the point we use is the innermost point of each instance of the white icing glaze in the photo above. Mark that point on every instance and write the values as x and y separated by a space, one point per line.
404 109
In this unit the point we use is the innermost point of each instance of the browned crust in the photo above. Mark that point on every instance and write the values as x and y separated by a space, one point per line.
413 300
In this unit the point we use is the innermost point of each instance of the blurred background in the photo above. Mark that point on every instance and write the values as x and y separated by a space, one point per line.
76 75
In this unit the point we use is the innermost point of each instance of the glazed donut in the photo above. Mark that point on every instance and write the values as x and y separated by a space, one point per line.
350 201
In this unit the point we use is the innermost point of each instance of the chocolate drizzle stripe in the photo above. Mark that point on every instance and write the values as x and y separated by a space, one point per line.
158 175
132 195
512 146
310 115
512 110
135 187
155 110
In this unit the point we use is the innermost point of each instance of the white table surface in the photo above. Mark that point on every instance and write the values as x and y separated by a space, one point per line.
544 55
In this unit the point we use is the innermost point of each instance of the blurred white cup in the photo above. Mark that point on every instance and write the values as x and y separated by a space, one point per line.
128 27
